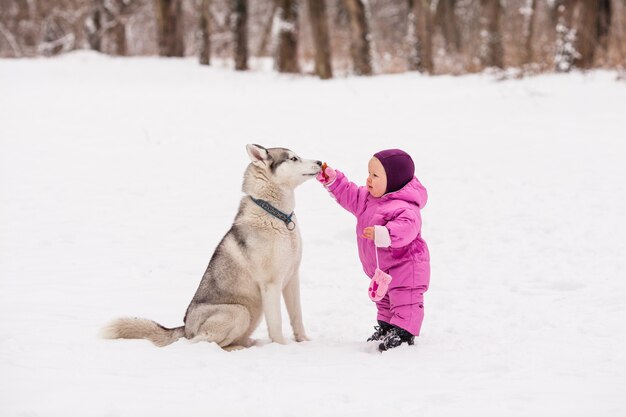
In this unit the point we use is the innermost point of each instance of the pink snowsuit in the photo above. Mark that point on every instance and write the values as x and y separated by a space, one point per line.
407 259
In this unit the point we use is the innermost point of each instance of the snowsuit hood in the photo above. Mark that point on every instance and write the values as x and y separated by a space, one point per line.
414 192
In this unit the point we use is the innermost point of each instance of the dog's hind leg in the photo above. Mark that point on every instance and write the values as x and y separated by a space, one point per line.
224 324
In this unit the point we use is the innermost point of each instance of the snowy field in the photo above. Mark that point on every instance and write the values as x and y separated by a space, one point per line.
118 177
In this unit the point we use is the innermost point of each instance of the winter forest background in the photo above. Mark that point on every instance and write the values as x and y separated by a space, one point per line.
329 37
120 176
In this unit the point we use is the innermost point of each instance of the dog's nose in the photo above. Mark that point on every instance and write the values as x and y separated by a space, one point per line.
318 163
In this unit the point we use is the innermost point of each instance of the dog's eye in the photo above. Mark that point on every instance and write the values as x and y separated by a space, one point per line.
293 158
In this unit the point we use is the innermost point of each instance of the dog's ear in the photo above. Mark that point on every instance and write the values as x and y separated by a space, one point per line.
257 153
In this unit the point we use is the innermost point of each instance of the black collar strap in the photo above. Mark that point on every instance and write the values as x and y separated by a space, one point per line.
276 213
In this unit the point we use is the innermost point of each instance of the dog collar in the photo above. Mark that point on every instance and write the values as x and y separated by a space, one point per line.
276 213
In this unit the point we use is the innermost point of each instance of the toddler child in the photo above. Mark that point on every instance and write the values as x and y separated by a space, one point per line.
389 237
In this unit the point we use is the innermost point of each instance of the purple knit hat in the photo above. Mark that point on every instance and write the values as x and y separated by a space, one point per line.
398 166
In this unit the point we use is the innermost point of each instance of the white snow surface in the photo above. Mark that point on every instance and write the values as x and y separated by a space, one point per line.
118 178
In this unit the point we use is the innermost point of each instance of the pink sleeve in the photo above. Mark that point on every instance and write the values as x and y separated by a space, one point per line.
404 228
349 195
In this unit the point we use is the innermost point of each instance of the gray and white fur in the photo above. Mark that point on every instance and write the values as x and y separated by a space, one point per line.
256 261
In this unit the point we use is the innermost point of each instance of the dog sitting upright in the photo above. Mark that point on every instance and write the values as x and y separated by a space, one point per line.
258 258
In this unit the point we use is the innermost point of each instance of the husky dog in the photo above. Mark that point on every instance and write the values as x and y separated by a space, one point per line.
258 258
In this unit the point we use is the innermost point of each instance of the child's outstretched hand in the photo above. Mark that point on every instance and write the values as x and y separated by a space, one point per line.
327 175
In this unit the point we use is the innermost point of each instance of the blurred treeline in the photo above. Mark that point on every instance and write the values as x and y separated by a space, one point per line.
327 37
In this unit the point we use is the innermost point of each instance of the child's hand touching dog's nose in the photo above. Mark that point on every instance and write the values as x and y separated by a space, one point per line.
327 175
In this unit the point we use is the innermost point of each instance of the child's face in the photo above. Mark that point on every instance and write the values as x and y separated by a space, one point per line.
377 179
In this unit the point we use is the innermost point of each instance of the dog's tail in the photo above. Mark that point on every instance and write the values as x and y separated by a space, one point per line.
136 328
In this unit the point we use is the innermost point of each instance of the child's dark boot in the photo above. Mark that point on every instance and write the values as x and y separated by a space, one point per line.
394 338
380 331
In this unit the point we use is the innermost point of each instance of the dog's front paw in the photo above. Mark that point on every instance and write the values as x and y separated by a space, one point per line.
301 338
280 340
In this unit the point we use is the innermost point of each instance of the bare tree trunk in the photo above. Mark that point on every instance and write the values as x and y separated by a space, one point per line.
585 15
287 53
205 32
169 27
121 44
94 27
267 30
604 25
491 52
445 18
359 31
319 27
240 29
420 33
529 30
617 33
109 23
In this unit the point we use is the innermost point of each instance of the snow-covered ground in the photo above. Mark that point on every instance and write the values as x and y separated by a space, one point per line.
118 177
